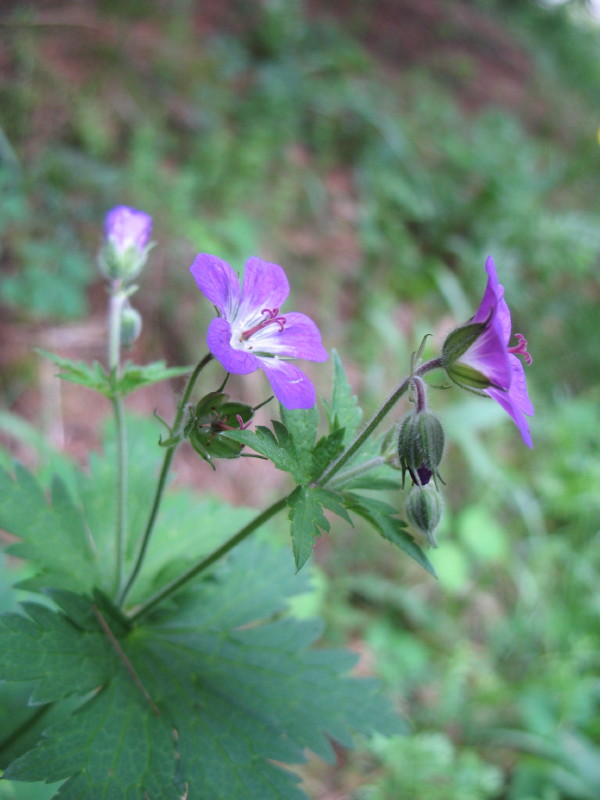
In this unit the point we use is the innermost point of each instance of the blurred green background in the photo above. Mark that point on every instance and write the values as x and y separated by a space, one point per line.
379 150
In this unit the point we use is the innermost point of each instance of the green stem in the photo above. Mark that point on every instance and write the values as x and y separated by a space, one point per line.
207 561
162 479
375 420
117 403
117 298
351 473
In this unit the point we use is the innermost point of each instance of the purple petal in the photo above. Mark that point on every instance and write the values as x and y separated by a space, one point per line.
126 227
518 386
265 286
489 356
516 401
300 338
217 281
511 408
493 293
290 385
218 339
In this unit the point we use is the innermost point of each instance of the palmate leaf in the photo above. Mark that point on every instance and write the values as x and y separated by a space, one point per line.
200 701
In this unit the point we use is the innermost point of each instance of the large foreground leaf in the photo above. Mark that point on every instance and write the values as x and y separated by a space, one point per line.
197 701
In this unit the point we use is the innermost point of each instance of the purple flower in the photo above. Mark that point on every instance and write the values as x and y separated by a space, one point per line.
250 333
128 228
477 355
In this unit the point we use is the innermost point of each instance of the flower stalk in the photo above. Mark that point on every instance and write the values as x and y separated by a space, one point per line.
162 479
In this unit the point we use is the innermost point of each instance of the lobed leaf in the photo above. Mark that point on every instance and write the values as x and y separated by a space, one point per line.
132 377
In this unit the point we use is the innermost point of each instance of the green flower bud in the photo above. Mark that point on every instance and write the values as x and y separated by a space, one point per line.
420 446
131 325
209 419
423 510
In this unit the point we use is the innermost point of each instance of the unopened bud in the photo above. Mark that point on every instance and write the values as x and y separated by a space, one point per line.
424 510
131 326
420 446
126 246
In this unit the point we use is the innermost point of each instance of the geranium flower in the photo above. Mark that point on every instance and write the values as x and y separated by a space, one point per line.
477 356
250 333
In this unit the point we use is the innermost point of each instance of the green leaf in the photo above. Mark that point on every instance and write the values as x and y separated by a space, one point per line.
344 411
382 516
302 426
307 518
327 449
278 447
94 376
133 376
236 687
54 534
49 648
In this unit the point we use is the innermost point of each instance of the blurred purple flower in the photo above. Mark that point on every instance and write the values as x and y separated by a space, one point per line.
128 228
493 360
250 333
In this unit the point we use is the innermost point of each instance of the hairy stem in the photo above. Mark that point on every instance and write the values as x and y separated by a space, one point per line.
117 403
162 478
207 561
351 473
374 422
117 298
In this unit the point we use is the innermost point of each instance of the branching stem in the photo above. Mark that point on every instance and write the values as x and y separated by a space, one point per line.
375 421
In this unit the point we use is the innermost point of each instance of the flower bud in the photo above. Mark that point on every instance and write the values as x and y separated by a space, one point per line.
423 510
420 446
209 419
126 246
131 325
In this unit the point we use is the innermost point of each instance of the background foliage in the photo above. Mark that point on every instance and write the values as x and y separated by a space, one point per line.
380 156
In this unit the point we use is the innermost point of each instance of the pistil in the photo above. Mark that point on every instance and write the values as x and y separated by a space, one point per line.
521 348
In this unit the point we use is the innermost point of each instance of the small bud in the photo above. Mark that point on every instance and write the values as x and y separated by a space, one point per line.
420 446
424 510
126 246
207 421
131 325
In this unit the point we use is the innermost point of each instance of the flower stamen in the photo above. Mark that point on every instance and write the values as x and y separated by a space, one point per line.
521 348
270 319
